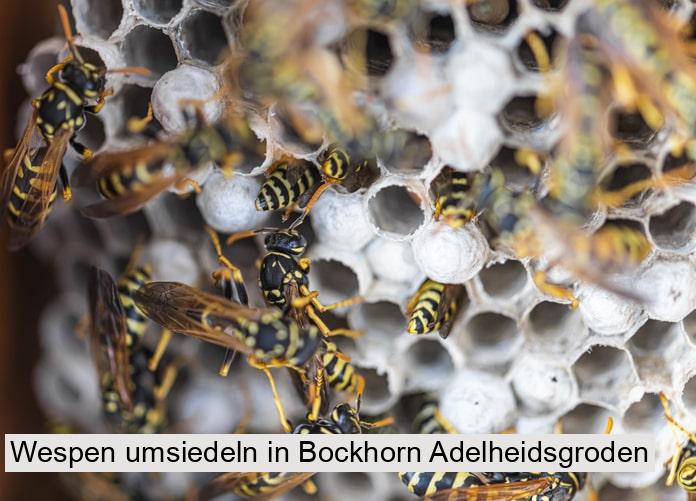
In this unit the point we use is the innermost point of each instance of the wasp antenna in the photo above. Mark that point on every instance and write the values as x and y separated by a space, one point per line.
67 31
133 70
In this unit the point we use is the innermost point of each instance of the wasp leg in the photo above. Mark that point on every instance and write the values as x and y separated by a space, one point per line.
438 208
285 423
230 162
163 389
161 347
309 487
227 361
378 424
444 422
180 185
80 148
50 74
100 102
65 181
530 159
557 291
137 125
241 235
315 395
311 297
315 196
536 44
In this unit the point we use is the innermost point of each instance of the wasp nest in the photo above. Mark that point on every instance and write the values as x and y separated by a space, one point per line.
464 83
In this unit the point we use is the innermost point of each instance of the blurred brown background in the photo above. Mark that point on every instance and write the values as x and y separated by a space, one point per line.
25 285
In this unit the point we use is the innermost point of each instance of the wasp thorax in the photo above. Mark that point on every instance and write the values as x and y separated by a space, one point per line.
84 78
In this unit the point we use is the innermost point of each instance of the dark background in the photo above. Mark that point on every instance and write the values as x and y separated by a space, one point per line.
25 284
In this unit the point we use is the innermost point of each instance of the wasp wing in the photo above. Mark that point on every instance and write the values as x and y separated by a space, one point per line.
113 162
34 207
132 200
231 482
9 173
109 333
495 492
185 309
451 292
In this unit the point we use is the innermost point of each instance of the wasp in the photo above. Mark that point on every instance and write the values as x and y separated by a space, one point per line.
383 9
284 282
268 337
28 182
133 396
453 199
434 307
683 464
129 179
285 185
527 228
343 419
428 418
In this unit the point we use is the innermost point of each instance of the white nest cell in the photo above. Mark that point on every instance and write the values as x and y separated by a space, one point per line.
468 140
554 328
586 418
645 415
173 261
656 347
429 364
669 285
227 203
149 48
338 220
450 256
202 37
675 228
607 313
478 402
392 260
542 384
185 83
503 281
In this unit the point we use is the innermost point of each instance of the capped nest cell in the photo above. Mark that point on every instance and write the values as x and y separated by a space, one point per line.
454 87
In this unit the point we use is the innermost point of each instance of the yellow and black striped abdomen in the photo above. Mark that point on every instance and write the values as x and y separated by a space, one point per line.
128 179
686 472
279 192
424 316
258 484
427 420
340 373
428 483
127 285
455 203
28 176
336 163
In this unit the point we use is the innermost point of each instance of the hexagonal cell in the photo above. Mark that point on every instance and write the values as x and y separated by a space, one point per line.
334 278
504 280
377 393
158 11
493 16
384 317
549 38
585 418
689 395
629 128
654 337
675 229
429 364
149 48
367 51
104 16
92 134
432 32
203 37
410 158
134 101
394 210
555 327
690 326
625 175
646 415
491 338
604 374
624 223
550 5
520 117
